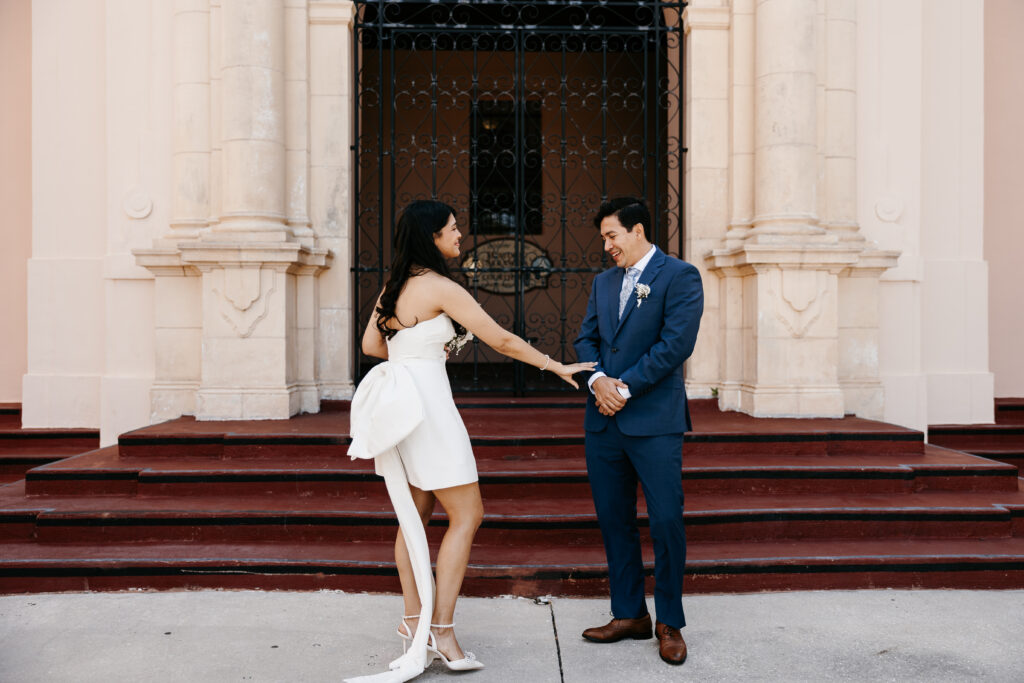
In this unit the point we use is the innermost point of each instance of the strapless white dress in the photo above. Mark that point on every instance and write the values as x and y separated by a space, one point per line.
437 453
403 416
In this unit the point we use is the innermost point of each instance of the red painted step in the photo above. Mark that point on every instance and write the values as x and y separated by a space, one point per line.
519 472
565 521
770 504
1010 411
525 570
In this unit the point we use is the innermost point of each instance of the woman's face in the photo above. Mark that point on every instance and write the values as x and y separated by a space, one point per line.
447 239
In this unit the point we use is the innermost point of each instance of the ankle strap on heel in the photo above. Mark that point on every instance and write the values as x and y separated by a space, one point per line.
451 625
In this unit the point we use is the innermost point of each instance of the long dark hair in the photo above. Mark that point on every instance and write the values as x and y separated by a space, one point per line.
415 254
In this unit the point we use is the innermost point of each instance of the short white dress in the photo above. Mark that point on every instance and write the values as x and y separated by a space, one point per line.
437 453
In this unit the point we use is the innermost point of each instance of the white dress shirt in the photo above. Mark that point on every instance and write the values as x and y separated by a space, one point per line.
639 265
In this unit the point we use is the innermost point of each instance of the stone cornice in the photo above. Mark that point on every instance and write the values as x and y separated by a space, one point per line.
753 257
289 256
164 262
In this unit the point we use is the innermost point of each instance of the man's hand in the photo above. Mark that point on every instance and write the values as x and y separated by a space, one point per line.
609 400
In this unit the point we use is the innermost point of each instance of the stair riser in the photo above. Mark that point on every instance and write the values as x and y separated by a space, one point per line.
15 467
11 442
796 447
587 533
490 450
44 483
35 486
971 442
586 583
1006 415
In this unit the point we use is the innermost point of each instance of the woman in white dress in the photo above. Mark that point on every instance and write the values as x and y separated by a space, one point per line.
420 309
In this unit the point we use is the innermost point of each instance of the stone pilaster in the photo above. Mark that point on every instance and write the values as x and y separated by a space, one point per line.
332 192
706 171
190 198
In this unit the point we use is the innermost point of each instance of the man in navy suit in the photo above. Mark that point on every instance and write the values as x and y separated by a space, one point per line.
641 324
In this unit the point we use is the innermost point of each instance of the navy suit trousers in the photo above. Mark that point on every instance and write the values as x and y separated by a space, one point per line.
615 462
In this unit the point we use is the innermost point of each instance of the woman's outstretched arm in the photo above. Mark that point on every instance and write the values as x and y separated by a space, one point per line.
463 308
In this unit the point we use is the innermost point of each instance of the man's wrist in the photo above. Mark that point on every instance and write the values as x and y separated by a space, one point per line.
593 378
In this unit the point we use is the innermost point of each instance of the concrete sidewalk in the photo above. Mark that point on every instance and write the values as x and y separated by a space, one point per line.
879 635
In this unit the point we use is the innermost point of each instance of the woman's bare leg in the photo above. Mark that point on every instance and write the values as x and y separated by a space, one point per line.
424 501
465 511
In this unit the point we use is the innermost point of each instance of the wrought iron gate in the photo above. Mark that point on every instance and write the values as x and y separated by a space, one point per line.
523 116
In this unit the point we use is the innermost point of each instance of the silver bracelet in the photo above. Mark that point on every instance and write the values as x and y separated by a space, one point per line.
546 363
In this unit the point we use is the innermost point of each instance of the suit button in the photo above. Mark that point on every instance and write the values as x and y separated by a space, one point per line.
614 350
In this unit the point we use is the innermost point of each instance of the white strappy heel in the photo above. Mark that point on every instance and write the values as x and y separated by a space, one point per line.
407 636
467 663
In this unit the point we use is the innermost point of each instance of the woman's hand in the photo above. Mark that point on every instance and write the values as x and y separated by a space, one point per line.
567 371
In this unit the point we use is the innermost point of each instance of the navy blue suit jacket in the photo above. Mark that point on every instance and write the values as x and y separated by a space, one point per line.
646 347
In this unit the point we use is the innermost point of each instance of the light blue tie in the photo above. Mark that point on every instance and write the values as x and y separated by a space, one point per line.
628 283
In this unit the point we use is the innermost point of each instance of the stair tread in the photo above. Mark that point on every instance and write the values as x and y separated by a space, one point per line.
107 460
13 499
488 423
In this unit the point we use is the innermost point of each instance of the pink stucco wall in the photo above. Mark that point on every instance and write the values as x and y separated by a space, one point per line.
15 189
1004 198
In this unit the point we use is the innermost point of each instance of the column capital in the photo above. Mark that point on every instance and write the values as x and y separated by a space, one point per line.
329 12
713 18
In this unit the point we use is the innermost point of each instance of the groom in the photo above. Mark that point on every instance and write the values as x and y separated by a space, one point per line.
641 324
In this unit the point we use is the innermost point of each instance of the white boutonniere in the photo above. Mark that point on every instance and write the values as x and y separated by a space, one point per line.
455 344
642 292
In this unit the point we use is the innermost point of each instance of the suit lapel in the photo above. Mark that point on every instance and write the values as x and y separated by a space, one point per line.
646 277
612 299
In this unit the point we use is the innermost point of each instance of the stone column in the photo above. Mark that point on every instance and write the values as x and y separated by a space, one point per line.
785 103
253 120
780 277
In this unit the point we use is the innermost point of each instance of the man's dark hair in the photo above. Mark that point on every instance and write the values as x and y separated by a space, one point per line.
629 211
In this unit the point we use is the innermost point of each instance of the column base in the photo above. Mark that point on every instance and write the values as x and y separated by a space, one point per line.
864 398
248 404
170 400
791 401
337 391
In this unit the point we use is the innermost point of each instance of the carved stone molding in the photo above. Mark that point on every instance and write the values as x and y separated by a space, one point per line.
244 296
799 297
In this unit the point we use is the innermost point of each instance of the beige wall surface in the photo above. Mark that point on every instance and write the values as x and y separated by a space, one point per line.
1004 202
15 189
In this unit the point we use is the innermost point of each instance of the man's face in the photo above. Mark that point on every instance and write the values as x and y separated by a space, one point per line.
624 246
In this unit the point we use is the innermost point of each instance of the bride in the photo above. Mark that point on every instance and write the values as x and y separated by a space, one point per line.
403 414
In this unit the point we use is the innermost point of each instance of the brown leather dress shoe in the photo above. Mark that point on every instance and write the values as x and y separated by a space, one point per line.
617 629
671 645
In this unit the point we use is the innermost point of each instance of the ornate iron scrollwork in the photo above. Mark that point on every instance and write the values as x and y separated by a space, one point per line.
523 116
